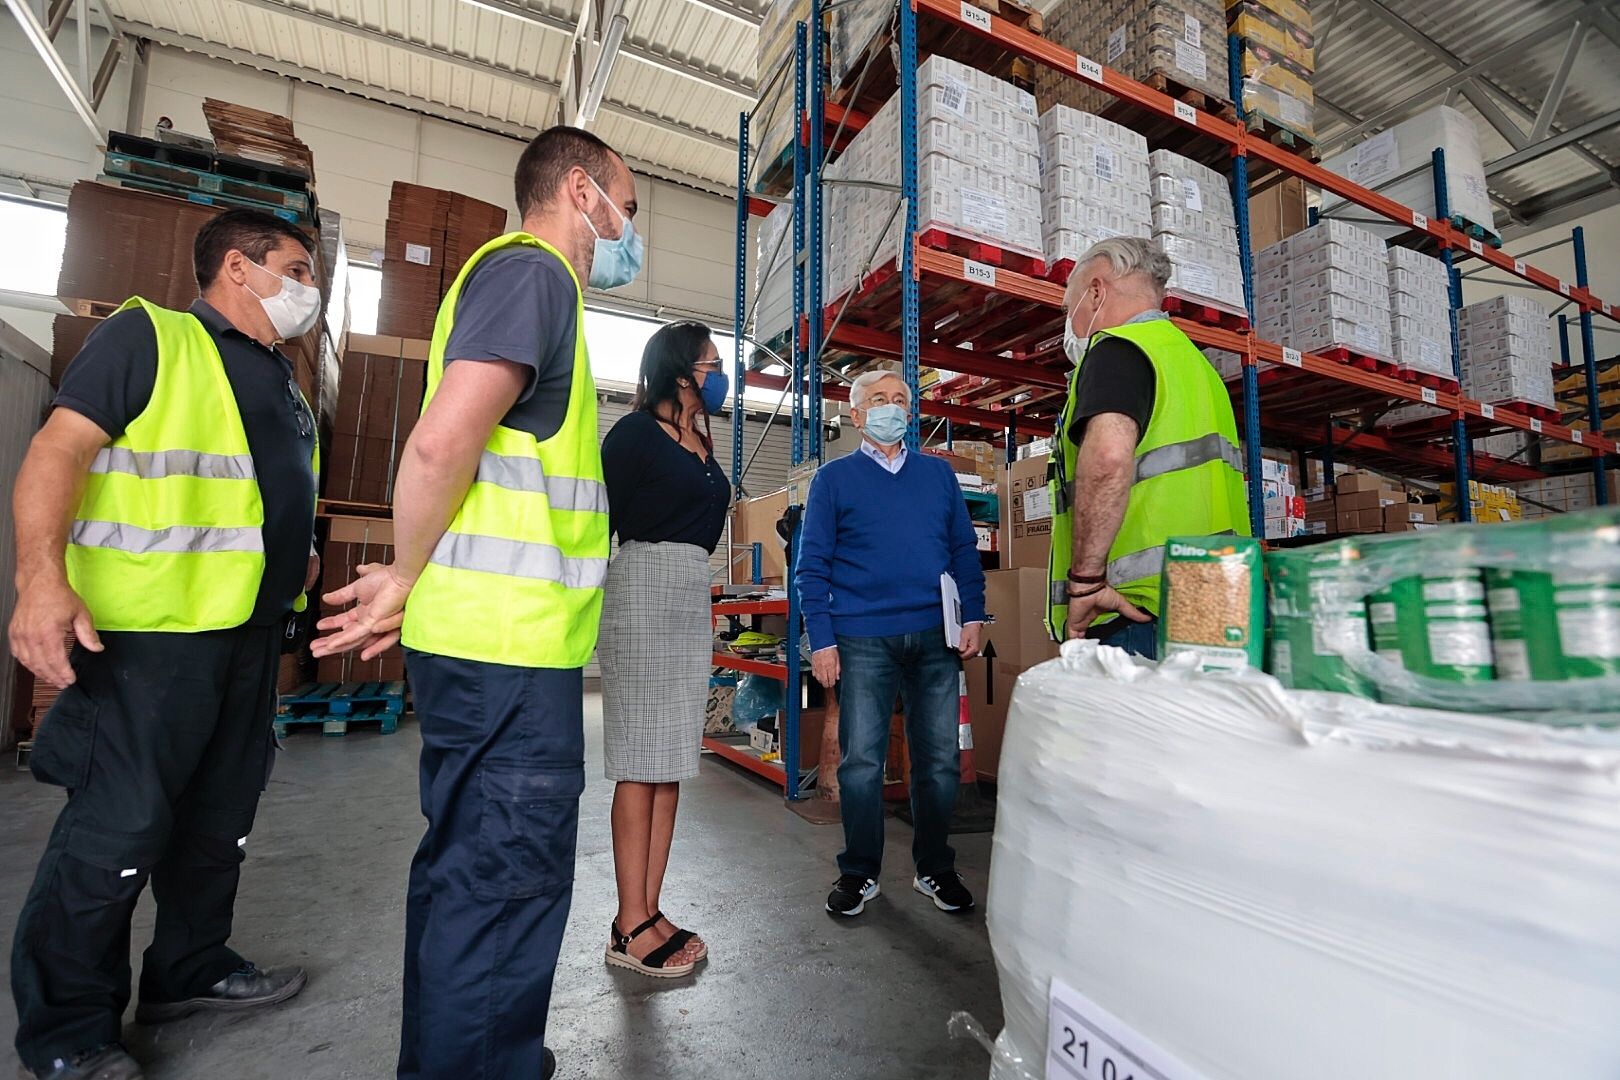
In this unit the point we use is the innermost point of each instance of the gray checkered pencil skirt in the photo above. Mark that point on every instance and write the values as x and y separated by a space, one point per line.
655 650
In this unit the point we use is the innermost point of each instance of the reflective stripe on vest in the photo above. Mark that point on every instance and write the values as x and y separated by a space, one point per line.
1187 455
158 464
515 558
187 539
528 474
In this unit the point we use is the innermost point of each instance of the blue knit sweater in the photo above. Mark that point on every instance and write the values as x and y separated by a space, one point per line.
874 545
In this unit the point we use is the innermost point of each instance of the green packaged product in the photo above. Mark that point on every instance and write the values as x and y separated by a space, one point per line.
1212 601
1562 623
1443 626
1316 620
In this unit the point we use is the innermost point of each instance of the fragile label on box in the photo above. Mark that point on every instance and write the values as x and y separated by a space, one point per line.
1038 504
1191 59
1192 31
1194 194
419 254
1116 45
983 212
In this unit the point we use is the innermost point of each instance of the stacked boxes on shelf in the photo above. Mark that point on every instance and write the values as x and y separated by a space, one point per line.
1194 222
1398 162
854 25
1364 502
772 127
978 172
1177 44
1507 350
353 542
1495 503
1094 179
1285 508
379 400
1420 310
1562 494
1279 62
773 274
1326 288
1228 365
430 234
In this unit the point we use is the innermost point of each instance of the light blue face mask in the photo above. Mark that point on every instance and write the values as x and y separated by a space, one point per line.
886 424
615 262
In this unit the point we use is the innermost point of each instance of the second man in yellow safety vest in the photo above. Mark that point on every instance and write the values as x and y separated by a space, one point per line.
1147 449
501 550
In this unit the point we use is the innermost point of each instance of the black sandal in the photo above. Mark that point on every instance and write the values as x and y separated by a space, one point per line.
618 953
684 936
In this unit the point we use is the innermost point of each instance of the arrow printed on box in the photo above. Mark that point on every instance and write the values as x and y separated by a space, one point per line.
989 655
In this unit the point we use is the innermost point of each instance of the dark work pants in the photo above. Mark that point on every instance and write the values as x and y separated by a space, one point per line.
164 744
503 766
1138 639
923 671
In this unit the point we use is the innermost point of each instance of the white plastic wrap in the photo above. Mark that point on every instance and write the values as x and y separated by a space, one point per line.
1276 885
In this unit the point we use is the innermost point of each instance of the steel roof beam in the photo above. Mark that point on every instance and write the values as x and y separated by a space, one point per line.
735 12
1554 143
1480 98
419 105
719 142
39 38
1560 82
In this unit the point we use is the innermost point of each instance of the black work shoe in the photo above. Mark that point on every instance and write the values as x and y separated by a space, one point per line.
245 988
109 1062
946 891
850 894
549 1065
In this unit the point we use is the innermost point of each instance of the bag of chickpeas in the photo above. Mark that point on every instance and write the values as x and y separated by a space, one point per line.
1212 601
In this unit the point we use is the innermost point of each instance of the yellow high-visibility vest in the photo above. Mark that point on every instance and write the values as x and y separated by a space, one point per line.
517 577
169 534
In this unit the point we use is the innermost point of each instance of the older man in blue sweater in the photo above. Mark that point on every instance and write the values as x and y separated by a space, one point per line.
881 527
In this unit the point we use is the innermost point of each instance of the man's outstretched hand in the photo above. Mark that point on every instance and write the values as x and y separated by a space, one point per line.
378 594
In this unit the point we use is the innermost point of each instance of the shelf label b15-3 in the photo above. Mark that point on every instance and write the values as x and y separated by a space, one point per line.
983 273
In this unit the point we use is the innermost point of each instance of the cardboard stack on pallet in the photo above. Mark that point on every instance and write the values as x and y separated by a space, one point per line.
1326 288
1195 222
1507 350
1364 502
379 400
1176 45
353 542
1094 183
1420 313
429 236
257 135
772 128
1278 46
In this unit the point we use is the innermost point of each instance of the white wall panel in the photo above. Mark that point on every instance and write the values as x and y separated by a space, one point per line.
25 390
42 137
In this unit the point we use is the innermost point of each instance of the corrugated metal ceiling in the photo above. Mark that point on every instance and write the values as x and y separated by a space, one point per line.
687 67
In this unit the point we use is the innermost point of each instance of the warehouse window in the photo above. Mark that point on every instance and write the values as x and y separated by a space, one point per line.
365 293
31 257
616 341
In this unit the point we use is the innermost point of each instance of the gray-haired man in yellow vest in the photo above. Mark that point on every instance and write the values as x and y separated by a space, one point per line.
1147 449
501 547
164 516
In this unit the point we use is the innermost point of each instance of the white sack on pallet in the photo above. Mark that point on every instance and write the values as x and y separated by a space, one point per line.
1275 885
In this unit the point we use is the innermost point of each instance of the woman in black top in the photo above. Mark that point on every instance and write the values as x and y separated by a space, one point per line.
667 498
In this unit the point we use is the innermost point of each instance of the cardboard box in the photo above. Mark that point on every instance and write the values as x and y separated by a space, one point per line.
1278 213
1018 638
1026 514
755 520
1370 500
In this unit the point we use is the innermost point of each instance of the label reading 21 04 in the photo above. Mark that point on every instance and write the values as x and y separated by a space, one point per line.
1087 1042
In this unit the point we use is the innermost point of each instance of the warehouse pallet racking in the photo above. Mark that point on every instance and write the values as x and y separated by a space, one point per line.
1013 318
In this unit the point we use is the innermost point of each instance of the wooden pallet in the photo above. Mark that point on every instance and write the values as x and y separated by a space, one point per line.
205 198
1200 311
936 37
941 239
1280 135
1474 231
334 706
186 178
352 508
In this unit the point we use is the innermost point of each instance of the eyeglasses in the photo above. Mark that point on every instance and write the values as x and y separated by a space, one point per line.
295 398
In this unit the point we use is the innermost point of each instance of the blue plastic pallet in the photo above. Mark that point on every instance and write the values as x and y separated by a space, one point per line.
335 705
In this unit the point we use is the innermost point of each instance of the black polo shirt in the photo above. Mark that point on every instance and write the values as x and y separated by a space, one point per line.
110 382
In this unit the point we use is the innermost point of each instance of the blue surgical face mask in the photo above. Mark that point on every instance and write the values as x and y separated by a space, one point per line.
886 424
714 390
615 262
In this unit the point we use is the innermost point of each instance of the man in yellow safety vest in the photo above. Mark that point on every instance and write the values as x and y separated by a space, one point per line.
501 548
1147 449
164 521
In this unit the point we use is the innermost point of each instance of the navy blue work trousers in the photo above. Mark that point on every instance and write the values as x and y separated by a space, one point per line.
503 766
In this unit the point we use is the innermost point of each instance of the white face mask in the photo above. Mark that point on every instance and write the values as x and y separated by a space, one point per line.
1075 347
293 309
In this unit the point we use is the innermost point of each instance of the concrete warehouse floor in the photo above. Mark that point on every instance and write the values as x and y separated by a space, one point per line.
787 994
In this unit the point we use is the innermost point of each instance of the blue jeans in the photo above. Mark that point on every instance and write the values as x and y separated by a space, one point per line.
1139 639
502 770
922 670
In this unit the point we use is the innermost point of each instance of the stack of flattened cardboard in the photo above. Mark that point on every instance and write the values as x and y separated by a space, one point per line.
430 235
1015 640
257 135
353 542
379 400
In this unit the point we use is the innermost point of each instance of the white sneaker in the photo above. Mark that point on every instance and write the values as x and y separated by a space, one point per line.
850 894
